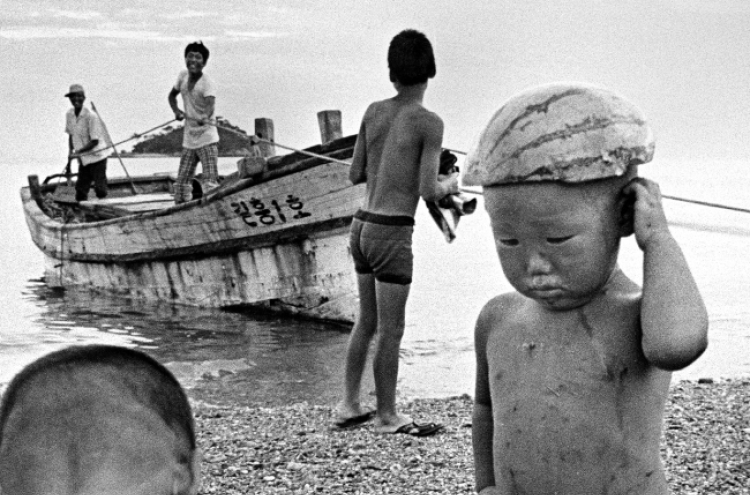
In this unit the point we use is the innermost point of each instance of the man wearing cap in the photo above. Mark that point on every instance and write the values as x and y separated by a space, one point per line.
87 143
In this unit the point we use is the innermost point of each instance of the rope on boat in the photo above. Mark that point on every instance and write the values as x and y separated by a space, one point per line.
252 138
137 135
706 203
471 191
456 151
665 196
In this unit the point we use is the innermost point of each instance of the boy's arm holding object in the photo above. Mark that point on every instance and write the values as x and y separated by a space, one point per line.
432 187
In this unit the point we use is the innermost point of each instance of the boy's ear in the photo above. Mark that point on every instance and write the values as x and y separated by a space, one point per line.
186 478
626 206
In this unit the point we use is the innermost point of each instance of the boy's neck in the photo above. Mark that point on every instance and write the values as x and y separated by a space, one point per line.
413 93
194 76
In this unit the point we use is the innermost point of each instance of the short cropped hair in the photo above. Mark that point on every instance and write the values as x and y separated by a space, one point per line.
198 46
410 58
129 371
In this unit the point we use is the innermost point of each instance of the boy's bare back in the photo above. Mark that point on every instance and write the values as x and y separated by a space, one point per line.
402 148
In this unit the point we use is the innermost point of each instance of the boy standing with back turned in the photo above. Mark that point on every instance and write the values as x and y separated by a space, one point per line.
397 155
573 369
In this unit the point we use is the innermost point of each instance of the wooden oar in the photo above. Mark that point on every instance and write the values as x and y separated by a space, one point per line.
114 148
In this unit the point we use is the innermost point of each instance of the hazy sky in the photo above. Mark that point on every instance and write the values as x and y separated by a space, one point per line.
685 62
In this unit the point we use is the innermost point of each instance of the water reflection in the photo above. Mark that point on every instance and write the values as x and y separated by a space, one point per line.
248 356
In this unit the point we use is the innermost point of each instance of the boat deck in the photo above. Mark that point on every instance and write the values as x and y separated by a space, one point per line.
138 203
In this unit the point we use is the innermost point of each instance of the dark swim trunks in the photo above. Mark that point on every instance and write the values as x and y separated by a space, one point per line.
381 244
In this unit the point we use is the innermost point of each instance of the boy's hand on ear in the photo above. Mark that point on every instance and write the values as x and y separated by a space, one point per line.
649 219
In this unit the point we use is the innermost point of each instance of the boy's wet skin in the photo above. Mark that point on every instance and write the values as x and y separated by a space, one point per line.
568 381
580 407
575 405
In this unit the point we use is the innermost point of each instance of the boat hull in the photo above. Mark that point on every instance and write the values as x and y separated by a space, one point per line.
312 277
282 245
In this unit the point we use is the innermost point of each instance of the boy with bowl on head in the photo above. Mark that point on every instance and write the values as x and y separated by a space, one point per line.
97 420
573 369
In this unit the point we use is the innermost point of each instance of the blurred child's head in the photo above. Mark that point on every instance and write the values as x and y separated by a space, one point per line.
97 420
553 162
410 58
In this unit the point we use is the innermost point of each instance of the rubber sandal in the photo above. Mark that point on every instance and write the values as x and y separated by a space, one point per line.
354 420
417 430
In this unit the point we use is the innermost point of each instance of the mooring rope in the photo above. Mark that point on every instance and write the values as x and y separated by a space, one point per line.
137 135
665 196
255 137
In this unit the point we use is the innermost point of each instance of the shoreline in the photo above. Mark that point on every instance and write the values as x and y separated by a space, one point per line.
291 449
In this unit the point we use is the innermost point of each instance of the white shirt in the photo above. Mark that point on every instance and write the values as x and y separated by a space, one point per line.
196 107
83 128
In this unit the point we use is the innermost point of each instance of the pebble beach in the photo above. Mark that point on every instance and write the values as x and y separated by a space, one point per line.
292 450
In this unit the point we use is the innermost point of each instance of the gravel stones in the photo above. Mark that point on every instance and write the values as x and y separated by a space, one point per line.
292 450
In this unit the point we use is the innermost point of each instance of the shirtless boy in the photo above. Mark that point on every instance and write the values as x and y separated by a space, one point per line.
200 140
397 155
573 369
98 420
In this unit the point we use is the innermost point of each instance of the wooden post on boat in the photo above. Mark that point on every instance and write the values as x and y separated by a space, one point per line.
329 122
36 192
264 129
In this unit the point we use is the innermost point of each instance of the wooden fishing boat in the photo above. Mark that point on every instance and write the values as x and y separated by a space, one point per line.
274 234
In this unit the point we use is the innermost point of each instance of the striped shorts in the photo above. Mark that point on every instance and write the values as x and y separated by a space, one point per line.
209 158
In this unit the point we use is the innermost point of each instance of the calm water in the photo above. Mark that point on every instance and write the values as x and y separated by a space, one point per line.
266 358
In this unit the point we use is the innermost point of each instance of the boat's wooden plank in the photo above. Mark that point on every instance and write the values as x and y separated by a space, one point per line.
219 224
135 199
313 274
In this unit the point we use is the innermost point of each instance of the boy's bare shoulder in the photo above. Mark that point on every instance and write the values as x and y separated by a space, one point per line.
426 116
497 309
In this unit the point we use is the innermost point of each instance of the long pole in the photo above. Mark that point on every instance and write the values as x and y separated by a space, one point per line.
114 148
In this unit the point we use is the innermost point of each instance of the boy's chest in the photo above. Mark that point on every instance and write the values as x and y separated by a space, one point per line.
574 349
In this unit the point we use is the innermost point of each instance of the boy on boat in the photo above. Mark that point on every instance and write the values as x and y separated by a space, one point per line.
87 143
573 369
397 155
200 140
97 419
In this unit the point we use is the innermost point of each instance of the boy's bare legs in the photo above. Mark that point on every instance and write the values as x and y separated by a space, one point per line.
382 310
391 314
359 343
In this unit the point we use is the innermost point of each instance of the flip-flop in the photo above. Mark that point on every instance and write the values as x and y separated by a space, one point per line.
417 430
354 420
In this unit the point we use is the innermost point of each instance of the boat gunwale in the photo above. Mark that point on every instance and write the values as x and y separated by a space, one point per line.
211 197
